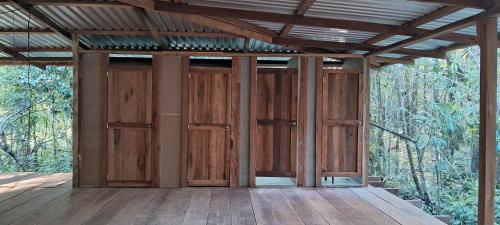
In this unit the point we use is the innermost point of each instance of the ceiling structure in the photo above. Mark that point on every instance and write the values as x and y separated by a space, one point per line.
391 31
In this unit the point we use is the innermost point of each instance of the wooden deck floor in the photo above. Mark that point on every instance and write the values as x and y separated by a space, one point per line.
29 198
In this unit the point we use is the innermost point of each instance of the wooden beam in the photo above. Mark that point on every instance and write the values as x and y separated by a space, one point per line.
75 114
392 60
36 59
366 123
300 11
487 31
353 46
439 31
441 12
302 122
319 121
234 165
65 49
480 4
153 31
253 122
184 120
302 20
43 18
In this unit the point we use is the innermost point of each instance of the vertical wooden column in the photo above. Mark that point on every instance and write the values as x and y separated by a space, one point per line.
157 90
302 124
234 174
366 122
487 32
319 118
185 119
253 121
76 118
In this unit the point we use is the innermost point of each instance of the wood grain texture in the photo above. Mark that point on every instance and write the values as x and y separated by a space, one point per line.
366 124
487 31
185 120
319 119
253 121
157 132
302 122
76 110
234 174
276 133
129 149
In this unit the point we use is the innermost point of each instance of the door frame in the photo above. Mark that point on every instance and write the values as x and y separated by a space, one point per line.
320 79
301 121
234 163
156 107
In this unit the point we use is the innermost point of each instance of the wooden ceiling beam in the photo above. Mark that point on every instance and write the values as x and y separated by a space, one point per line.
353 46
300 11
303 20
152 30
204 21
441 12
467 22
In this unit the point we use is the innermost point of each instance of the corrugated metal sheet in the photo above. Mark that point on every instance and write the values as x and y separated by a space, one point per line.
48 54
329 34
276 27
378 11
462 14
425 45
34 41
275 6
12 17
169 23
120 42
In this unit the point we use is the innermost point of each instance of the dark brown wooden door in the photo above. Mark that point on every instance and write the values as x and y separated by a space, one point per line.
129 126
276 147
209 126
342 120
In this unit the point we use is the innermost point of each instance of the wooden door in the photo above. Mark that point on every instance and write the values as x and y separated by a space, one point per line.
341 138
276 114
209 126
129 126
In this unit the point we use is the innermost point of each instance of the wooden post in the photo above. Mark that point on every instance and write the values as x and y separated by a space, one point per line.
185 120
366 122
487 32
234 174
157 100
302 122
76 118
253 121
319 118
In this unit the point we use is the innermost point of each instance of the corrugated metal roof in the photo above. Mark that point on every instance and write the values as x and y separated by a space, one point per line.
81 17
34 41
48 54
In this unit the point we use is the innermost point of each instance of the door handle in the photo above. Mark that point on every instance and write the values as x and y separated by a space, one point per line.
148 125
227 127
293 123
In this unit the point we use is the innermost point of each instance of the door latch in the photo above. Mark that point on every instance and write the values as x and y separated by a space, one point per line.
148 125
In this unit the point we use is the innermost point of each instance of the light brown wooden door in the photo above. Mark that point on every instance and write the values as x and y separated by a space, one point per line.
342 120
129 126
276 138
209 126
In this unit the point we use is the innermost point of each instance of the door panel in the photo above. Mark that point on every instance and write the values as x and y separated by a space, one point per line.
209 127
341 141
129 126
276 137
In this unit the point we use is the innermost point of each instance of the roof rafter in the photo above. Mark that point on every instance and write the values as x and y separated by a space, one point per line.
205 21
353 46
152 30
300 11
303 20
469 21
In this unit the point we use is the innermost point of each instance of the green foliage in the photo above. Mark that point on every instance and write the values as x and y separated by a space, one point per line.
35 119
435 103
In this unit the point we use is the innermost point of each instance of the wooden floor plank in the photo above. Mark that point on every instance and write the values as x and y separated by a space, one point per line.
197 212
220 208
124 208
271 207
390 210
13 189
150 213
300 202
173 213
404 206
6 178
44 197
355 208
241 207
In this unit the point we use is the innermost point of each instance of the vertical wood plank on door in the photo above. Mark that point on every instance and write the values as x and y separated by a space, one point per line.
157 132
